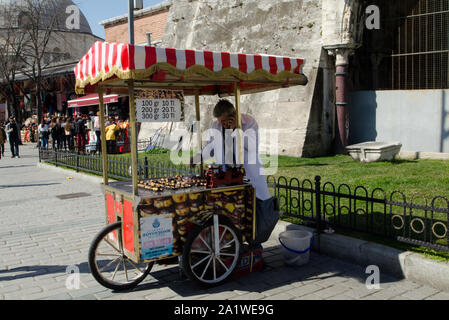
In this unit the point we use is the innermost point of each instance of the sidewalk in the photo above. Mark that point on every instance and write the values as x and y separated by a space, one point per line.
41 236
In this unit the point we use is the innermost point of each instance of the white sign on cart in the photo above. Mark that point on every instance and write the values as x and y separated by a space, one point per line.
160 106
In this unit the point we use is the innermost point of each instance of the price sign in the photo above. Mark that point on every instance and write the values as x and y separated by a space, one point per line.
159 107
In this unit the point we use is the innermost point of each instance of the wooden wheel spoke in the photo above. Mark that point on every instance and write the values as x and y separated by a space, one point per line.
201 261
109 264
205 269
221 262
126 270
200 251
116 269
227 254
227 244
204 241
111 245
214 267
134 265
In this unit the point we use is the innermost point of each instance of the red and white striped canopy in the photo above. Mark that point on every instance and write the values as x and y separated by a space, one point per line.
210 72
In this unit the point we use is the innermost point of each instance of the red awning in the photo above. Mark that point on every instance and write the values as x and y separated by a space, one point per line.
91 100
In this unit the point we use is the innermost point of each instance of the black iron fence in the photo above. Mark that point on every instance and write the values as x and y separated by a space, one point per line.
119 166
415 221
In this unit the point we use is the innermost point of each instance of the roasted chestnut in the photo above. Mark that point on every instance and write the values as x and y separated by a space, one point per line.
182 209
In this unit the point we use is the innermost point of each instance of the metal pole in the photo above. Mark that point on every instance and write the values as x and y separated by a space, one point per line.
318 209
239 122
104 153
131 21
133 126
198 123
132 115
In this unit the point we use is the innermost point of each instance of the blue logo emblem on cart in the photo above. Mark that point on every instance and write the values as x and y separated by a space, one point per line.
156 224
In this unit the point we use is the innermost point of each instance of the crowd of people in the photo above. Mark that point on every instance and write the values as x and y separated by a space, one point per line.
80 133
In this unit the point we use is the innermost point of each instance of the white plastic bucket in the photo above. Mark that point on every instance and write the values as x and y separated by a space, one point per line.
296 246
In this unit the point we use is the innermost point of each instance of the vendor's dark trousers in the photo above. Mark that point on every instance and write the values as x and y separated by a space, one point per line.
2 149
14 144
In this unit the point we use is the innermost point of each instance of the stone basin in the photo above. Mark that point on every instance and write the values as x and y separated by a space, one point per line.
373 151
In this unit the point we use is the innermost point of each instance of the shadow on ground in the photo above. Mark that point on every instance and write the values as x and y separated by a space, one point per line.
275 274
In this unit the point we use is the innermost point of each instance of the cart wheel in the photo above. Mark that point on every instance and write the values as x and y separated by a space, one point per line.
110 266
200 261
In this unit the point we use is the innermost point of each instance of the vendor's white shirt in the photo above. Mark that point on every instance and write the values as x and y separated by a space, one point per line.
252 163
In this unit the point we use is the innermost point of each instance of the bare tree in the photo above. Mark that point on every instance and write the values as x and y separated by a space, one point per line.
11 50
40 22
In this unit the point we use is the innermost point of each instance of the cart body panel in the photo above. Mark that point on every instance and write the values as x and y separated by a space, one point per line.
145 233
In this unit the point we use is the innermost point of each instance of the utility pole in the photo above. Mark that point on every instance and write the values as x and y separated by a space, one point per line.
133 5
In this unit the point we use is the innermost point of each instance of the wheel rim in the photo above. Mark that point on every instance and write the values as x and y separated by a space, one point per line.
205 265
113 266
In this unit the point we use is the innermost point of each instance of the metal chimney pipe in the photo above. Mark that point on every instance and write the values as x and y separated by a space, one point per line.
131 21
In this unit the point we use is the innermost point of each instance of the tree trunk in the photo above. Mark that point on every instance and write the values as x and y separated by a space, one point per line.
40 115
14 103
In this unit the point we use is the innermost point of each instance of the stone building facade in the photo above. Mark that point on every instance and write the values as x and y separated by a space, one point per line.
343 55
68 43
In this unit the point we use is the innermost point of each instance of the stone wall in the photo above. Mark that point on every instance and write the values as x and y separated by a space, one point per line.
282 27
74 43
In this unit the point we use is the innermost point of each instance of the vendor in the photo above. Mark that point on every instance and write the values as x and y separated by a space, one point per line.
224 126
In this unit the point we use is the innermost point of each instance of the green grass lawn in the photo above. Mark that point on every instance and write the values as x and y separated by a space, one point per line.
427 177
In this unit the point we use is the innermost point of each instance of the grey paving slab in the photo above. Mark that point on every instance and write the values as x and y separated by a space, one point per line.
41 235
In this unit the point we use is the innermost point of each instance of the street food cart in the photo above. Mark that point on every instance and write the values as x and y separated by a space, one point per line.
204 220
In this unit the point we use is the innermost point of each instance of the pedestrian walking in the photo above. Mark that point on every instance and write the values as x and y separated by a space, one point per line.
2 141
68 129
43 130
3 134
111 132
54 133
80 131
60 135
97 128
13 131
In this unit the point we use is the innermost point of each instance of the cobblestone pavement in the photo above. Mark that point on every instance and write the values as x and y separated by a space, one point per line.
41 235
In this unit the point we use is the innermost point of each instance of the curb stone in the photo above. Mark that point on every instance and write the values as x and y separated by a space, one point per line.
402 264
